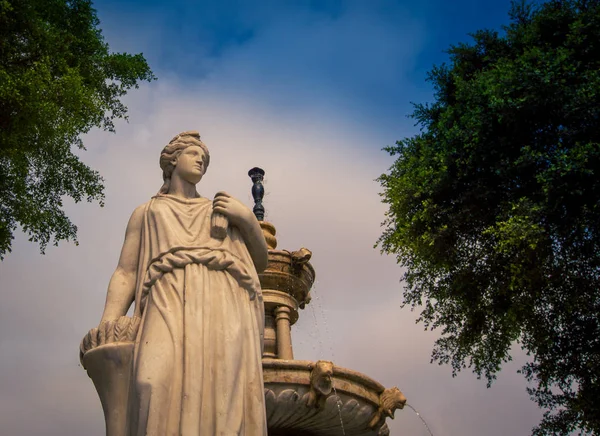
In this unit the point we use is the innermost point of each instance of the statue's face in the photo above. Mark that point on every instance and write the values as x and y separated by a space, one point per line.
190 164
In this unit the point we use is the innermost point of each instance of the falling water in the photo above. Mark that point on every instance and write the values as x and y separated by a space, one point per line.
324 320
317 335
422 420
339 405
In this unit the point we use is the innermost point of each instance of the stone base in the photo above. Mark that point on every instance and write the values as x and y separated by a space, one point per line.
110 366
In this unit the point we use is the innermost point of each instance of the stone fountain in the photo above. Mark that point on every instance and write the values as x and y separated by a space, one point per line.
301 398
305 398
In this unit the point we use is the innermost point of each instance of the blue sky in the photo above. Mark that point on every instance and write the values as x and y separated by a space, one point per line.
311 92
367 59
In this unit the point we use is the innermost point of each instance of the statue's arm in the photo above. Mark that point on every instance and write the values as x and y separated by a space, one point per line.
121 288
240 216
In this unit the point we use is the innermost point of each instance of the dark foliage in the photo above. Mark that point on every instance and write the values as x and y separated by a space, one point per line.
57 81
494 208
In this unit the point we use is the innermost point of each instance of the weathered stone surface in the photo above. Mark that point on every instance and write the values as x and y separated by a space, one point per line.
193 364
306 398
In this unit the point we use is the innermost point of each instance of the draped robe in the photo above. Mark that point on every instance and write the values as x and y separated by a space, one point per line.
197 366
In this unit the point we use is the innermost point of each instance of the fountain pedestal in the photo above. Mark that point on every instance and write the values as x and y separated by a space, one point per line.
305 398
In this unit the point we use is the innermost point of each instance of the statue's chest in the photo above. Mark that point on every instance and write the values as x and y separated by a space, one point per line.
185 224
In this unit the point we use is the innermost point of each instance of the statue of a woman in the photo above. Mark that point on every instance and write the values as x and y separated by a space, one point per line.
197 366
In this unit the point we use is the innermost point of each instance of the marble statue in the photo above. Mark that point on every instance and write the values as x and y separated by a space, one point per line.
190 265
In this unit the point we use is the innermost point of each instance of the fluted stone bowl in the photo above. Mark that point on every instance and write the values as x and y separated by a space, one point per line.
289 272
305 398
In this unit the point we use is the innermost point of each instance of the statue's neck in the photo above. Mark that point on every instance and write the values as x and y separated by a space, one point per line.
182 188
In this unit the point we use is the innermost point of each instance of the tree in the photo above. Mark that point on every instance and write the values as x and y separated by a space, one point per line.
494 207
57 81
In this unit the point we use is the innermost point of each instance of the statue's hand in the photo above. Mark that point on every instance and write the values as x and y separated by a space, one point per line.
239 215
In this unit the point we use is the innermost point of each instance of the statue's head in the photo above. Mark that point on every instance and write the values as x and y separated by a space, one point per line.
169 155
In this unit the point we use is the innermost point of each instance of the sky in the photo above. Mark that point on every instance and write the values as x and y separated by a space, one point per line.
311 91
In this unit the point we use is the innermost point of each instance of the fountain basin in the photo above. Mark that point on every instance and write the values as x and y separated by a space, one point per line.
289 272
305 398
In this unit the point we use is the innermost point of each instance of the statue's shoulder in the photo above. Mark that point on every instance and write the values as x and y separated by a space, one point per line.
137 217
141 209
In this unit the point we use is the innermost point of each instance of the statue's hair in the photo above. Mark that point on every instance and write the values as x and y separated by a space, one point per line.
179 143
